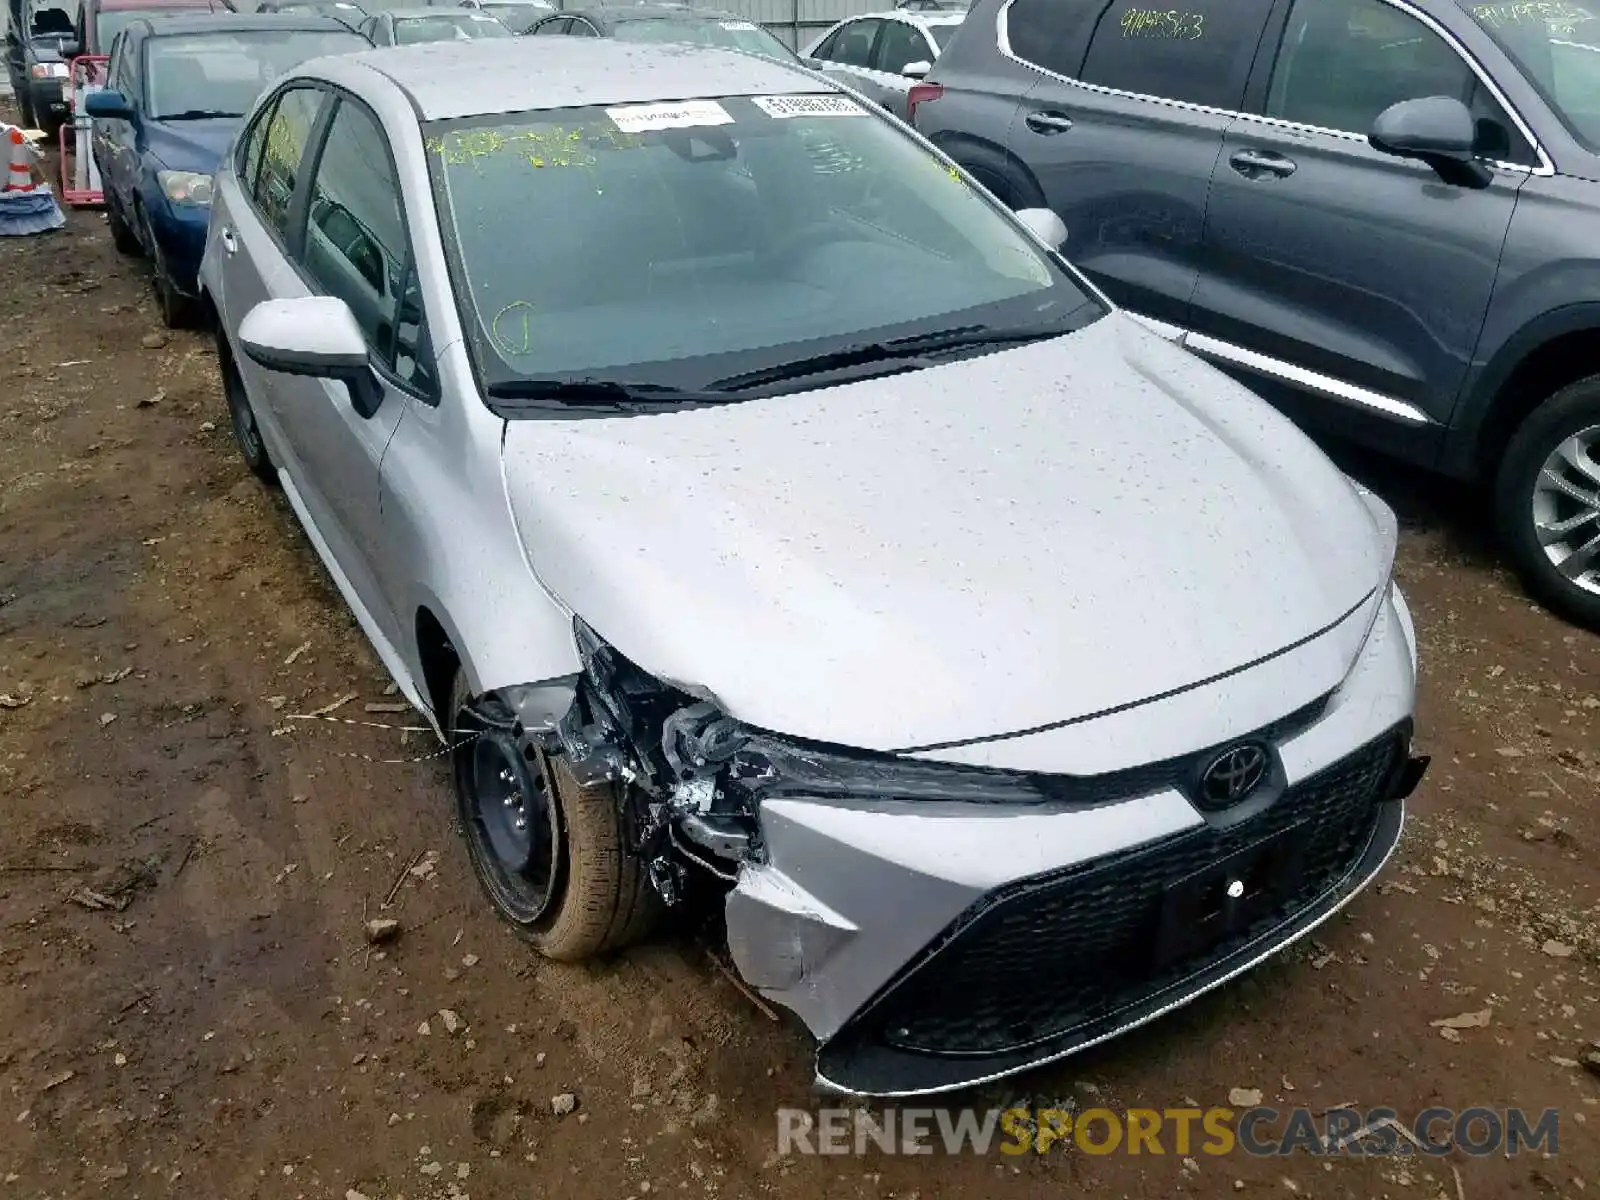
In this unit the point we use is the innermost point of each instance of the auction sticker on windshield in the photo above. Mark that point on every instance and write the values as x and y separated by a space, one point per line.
739 26
808 106
685 114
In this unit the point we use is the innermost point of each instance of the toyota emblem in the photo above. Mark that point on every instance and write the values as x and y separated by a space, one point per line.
1232 775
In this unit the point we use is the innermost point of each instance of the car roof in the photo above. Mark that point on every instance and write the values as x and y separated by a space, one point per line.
617 12
484 76
919 16
232 22
434 10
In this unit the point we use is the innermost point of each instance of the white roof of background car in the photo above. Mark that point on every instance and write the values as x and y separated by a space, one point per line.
500 75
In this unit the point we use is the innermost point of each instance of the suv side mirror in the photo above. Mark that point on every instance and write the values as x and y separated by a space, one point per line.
916 70
1045 225
315 336
1428 128
1437 130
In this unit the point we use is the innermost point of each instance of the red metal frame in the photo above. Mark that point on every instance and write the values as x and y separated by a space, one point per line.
86 68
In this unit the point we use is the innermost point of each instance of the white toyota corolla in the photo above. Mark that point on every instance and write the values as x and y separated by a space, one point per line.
747 496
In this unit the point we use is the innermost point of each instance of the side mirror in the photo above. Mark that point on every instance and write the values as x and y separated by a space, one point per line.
71 50
108 104
916 70
1044 225
1432 127
314 336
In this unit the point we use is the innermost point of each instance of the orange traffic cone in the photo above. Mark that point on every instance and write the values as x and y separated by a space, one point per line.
19 175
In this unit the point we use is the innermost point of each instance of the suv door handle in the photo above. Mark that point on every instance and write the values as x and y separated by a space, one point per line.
1253 164
1048 122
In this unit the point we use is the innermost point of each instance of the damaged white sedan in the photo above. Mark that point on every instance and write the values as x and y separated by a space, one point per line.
746 496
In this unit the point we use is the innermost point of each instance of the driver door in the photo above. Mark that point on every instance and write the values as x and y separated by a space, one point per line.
1359 278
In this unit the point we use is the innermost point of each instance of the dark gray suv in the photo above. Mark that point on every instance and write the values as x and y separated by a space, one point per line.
1383 214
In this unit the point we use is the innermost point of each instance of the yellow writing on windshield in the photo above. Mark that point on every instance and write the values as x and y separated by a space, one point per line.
512 328
546 146
1171 25
1550 12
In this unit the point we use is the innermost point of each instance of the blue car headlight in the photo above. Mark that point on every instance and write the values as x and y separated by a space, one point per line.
187 189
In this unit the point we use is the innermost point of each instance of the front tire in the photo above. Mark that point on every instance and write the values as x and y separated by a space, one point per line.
122 235
551 855
242 417
1547 502
177 310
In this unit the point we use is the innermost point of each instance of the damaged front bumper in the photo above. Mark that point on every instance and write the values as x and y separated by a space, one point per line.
936 925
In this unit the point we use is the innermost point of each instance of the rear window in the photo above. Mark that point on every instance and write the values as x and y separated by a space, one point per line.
220 74
448 26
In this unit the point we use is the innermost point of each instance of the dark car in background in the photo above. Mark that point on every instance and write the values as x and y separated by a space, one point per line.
1380 213
665 23
177 89
410 26
99 21
37 37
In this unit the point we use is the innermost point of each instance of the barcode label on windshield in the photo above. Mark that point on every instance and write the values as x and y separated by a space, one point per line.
685 114
808 106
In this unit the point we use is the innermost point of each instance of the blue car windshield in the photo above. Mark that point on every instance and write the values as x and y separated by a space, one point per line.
221 74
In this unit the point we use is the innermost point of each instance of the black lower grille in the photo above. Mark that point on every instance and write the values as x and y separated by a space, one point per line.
1050 955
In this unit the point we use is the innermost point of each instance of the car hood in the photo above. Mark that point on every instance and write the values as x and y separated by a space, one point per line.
190 145
953 553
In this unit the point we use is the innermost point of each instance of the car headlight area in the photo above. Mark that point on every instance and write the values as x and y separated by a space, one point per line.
937 924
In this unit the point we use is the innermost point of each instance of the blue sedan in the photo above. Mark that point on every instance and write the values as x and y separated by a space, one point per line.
177 90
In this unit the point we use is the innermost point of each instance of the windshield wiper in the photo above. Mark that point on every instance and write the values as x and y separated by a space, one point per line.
615 394
907 352
196 114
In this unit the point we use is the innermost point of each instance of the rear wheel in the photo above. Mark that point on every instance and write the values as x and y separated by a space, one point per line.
551 855
1547 501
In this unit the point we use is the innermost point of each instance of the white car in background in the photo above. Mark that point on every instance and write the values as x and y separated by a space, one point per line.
883 55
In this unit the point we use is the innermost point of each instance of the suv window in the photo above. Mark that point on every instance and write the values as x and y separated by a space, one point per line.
1198 52
356 245
1343 62
900 45
288 130
852 46
1052 34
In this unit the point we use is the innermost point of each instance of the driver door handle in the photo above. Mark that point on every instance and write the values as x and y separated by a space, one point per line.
230 244
1253 164
1048 122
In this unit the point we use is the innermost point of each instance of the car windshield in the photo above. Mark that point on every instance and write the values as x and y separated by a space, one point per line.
1557 45
221 74
110 23
729 33
677 244
447 26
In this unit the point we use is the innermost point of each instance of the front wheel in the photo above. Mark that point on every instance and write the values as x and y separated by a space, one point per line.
242 417
177 310
550 854
1547 501
122 235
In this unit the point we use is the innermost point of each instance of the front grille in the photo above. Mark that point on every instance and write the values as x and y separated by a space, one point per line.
1047 956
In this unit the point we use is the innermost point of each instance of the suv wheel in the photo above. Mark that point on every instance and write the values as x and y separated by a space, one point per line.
1547 501
551 855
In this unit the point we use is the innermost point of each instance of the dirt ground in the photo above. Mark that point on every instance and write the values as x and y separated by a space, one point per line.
188 1006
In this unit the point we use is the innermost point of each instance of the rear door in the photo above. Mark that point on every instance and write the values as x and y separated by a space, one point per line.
355 245
846 54
1124 130
1354 275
